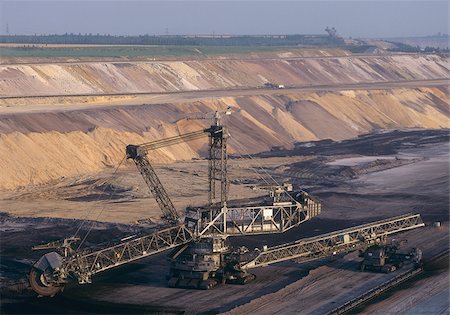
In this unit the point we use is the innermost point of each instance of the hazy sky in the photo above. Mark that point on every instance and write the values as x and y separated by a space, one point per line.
362 18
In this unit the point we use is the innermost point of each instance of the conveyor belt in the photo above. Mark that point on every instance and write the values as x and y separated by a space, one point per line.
336 242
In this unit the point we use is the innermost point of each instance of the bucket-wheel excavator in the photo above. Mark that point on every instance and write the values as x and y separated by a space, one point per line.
201 255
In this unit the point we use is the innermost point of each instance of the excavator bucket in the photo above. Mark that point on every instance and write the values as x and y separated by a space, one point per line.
41 276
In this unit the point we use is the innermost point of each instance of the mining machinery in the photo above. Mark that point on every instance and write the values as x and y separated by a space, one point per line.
201 256
388 258
331 32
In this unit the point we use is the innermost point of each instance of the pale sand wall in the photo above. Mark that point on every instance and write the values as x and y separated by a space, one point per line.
169 76
37 148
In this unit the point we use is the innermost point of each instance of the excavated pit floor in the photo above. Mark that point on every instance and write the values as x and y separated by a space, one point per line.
390 174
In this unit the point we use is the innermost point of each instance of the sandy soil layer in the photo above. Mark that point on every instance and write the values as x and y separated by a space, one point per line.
44 146
33 104
306 166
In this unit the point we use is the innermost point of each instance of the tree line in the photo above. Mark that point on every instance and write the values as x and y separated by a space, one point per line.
217 40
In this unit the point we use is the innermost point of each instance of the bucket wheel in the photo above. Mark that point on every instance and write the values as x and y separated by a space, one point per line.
40 282
41 277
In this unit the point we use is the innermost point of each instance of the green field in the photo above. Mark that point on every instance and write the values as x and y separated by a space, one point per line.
130 51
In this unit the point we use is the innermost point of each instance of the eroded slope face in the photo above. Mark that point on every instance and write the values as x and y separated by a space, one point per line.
40 147
171 76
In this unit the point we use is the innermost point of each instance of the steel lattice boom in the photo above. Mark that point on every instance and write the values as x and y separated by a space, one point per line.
217 167
335 242
142 149
161 196
138 154
83 266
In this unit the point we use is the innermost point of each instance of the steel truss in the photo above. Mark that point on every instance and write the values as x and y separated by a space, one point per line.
139 155
161 196
217 165
83 266
335 242
142 149
275 218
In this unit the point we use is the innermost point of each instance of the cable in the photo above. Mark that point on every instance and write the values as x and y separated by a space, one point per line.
98 198
261 167
253 169
103 208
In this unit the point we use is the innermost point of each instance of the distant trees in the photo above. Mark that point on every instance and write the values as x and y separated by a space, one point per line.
401 47
263 40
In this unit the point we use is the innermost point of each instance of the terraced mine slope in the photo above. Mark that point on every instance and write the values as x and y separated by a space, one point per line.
47 146
43 139
170 76
59 150
38 147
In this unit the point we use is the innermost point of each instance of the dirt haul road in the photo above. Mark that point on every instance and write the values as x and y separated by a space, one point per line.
43 103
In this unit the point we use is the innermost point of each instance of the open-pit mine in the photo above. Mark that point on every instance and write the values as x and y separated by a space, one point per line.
303 181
